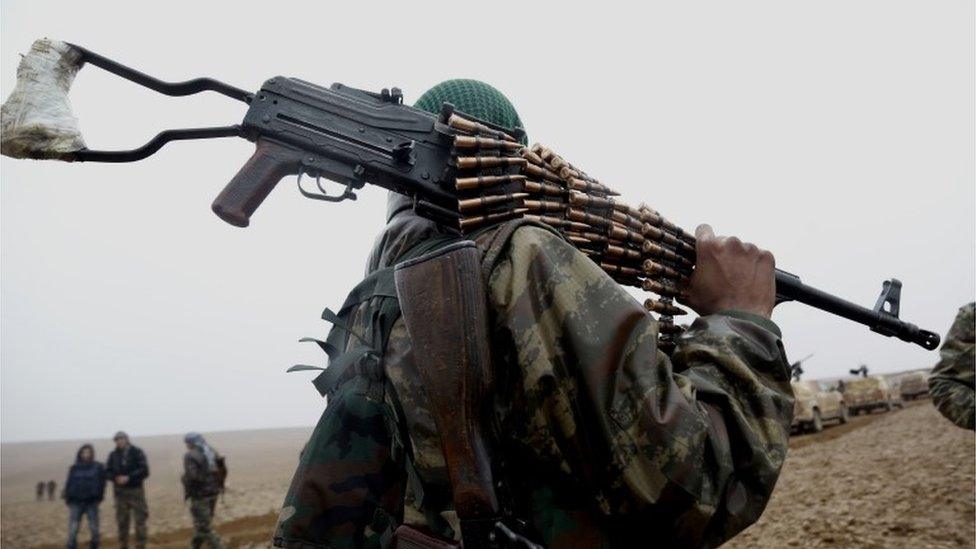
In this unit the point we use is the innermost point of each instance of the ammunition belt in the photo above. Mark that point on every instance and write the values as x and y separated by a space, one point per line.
498 179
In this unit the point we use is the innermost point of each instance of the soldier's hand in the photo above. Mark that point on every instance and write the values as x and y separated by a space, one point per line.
731 275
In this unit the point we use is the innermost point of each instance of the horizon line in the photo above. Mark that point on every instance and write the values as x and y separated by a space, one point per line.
108 438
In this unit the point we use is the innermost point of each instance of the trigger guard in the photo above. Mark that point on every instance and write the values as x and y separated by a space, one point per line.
323 195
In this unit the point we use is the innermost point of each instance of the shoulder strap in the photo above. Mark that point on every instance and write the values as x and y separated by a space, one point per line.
444 305
443 300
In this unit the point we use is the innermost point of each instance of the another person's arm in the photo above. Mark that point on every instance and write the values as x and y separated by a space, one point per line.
102 479
110 467
685 449
67 486
141 470
191 474
953 381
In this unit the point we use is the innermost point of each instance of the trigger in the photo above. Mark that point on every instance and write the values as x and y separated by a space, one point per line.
347 193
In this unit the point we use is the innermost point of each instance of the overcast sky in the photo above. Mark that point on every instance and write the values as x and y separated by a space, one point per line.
838 134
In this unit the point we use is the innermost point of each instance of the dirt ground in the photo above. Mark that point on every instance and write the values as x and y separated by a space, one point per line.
902 479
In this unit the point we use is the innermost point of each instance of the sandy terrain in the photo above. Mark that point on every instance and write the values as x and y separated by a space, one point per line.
903 479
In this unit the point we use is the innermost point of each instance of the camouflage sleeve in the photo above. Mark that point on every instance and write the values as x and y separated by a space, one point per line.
191 475
952 383
686 449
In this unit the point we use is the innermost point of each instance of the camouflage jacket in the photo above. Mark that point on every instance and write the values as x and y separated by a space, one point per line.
952 383
605 439
198 480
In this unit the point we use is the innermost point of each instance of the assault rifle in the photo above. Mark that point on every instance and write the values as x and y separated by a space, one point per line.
461 172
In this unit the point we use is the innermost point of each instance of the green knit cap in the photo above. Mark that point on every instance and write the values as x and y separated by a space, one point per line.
474 98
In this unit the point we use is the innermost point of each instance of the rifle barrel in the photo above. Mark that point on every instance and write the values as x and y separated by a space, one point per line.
790 288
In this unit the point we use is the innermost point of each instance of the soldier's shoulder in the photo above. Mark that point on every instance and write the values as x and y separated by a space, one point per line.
521 231
520 240
535 239
532 233
964 326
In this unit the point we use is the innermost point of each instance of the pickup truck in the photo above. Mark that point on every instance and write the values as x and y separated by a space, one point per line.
866 394
913 385
814 406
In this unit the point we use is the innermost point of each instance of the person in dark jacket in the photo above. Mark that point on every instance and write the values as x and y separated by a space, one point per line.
83 492
51 488
40 490
127 468
201 488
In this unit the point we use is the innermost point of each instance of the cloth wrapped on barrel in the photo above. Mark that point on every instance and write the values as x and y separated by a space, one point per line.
36 121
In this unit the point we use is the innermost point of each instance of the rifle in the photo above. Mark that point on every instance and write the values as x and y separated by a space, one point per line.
461 172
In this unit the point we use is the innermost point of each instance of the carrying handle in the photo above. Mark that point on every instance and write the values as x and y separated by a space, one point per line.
270 163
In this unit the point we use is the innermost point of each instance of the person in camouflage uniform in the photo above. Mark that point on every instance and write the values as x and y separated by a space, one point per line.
128 469
953 381
200 488
606 441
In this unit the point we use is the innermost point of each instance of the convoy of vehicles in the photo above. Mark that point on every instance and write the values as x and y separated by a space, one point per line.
819 404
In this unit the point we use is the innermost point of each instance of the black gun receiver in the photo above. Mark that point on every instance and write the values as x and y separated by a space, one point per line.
463 173
349 136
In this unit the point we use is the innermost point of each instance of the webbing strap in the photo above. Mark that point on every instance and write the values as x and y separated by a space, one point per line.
379 283
332 318
326 347
330 378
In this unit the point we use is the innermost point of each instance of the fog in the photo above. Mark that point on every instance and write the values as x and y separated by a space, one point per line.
838 134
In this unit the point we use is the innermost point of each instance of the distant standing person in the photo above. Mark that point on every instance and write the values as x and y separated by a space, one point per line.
51 488
953 381
203 476
127 468
83 492
40 491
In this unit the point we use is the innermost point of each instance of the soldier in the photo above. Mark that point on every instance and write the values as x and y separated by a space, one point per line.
201 488
127 468
51 488
953 382
40 490
602 438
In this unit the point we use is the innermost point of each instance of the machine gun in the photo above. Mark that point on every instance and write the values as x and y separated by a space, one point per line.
461 172
796 369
